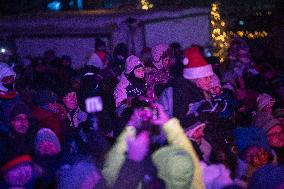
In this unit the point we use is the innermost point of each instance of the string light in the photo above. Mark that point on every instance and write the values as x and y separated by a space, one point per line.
218 33
249 34
146 4
221 37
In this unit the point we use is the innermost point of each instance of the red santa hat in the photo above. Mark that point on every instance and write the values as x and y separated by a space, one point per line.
195 65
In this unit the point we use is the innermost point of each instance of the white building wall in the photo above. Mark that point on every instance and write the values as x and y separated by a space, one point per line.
74 34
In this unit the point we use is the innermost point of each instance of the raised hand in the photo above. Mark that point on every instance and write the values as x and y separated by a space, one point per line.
161 118
138 147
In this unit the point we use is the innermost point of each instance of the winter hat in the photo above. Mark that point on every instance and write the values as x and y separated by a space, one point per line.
131 62
72 176
5 71
15 161
215 82
265 121
121 49
18 109
268 176
264 100
215 175
44 97
46 134
157 55
175 167
100 44
247 137
62 92
196 65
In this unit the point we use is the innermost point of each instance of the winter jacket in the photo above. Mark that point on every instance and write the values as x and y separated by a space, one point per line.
229 103
85 139
46 119
125 89
6 106
187 102
175 137
76 117
120 91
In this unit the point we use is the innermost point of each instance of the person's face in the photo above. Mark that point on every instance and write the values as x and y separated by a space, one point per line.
275 136
8 79
66 62
70 100
167 62
244 58
91 181
47 148
215 90
198 134
139 72
20 123
204 82
19 176
256 156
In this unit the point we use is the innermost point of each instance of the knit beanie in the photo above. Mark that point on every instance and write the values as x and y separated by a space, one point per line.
248 137
131 62
268 176
175 167
72 176
46 134
15 161
215 175
19 109
265 121
5 71
264 100
121 49
157 54
100 44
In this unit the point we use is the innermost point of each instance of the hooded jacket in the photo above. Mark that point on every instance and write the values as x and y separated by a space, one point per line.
176 139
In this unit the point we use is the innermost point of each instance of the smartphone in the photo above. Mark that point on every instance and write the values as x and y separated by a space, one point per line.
94 104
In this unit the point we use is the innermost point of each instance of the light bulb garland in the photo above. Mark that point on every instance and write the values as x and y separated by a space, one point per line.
146 4
218 33
221 37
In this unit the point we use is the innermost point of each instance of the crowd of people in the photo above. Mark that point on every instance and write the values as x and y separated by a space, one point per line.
173 118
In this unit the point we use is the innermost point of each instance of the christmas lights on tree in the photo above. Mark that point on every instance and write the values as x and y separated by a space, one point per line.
219 36
146 4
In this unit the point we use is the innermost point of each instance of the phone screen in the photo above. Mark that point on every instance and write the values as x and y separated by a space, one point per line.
94 104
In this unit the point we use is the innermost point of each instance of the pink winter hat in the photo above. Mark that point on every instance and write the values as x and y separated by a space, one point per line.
131 62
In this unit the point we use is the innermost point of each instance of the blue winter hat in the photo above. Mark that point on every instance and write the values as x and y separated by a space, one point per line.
268 176
72 176
247 137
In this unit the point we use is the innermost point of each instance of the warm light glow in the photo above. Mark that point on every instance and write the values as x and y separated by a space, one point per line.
219 36
146 4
